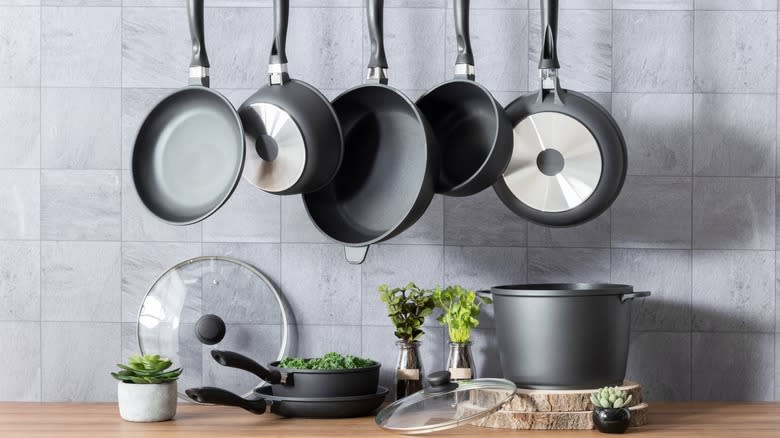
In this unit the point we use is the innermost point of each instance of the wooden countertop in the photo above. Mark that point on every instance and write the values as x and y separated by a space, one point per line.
71 420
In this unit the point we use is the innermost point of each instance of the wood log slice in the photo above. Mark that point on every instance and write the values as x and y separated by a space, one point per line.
539 400
506 419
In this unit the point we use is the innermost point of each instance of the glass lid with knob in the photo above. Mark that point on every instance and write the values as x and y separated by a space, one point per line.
209 303
445 404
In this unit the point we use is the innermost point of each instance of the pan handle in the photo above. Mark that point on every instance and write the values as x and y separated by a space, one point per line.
235 360
464 63
549 51
277 62
377 61
199 64
219 396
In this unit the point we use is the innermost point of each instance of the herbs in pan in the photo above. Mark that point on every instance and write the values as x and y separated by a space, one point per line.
407 308
460 308
330 361
149 368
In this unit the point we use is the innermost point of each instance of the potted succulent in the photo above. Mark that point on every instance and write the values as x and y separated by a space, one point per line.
610 412
147 388
460 309
407 308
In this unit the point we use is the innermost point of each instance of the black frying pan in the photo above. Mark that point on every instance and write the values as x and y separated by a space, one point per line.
306 383
189 151
387 178
569 159
473 132
293 138
306 407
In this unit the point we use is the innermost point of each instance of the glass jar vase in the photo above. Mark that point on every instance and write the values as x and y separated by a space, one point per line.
408 369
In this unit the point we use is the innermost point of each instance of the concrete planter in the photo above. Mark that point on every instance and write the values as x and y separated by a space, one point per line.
144 403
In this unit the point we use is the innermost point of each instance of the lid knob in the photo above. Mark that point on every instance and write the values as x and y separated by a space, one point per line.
210 329
440 382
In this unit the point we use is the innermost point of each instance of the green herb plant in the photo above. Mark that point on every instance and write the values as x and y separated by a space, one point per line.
407 308
149 368
460 309
330 361
610 397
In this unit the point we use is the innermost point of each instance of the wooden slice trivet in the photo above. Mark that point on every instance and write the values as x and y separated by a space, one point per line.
540 400
506 419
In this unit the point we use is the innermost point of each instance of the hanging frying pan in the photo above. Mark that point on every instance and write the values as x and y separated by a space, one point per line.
293 139
569 157
189 152
472 130
390 166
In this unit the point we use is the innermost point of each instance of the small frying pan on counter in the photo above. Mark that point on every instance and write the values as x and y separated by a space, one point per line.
189 152
472 130
390 165
569 157
302 407
293 138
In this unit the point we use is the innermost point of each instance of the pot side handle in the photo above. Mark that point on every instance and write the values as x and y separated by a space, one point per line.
218 396
628 297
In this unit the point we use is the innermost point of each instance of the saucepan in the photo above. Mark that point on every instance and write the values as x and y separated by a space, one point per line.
306 383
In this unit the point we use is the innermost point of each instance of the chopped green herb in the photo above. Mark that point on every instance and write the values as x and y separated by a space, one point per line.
330 361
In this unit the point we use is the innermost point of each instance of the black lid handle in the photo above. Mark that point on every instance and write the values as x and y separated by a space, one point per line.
549 51
235 360
210 329
218 396
465 56
439 381
199 63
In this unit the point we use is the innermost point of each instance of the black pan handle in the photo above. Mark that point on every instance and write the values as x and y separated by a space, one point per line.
464 63
235 360
199 64
277 62
218 396
549 52
377 61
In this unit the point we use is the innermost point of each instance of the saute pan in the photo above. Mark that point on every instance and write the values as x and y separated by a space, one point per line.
306 383
293 139
189 152
390 166
472 130
569 157
307 407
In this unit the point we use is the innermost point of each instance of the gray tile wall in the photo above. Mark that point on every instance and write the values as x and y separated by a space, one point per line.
693 84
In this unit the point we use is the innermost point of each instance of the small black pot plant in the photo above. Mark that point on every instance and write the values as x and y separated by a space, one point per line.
147 390
407 308
610 412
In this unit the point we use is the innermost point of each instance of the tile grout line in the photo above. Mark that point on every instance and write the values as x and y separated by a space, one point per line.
777 90
693 149
40 203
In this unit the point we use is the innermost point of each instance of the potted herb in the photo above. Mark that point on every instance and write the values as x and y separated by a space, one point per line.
610 414
407 308
147 389
460 309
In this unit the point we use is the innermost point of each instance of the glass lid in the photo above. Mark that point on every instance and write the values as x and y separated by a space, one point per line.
208 303
444 405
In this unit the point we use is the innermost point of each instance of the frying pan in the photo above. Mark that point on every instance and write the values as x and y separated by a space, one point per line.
387 178
569 158
307 407
293 139
306 383
473 132
189 151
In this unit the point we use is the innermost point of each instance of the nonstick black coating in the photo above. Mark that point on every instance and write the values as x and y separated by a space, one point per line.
318 407
473 133
610 142
310 110
387 177
188 155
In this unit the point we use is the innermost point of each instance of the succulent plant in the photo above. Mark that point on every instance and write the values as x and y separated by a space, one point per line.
149 368
610 397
